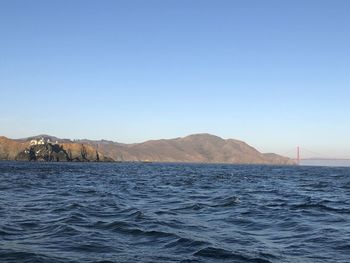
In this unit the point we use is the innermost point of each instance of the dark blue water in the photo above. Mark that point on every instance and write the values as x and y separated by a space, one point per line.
71 212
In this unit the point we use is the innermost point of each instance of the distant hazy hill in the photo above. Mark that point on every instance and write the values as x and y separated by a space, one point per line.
202 148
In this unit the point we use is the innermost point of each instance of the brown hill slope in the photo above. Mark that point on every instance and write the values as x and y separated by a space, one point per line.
9 149
204 148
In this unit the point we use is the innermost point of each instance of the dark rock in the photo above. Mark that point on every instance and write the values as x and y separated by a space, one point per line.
45 152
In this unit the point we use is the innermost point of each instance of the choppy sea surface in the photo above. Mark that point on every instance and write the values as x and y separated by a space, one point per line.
116 212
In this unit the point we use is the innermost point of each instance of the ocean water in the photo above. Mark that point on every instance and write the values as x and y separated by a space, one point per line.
116 212
326 162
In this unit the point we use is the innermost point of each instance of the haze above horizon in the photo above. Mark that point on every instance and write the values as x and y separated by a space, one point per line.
274 74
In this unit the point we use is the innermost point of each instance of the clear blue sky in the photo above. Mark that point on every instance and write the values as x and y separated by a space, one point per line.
275 74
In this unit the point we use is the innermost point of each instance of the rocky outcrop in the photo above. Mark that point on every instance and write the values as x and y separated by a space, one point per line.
83 152
47 152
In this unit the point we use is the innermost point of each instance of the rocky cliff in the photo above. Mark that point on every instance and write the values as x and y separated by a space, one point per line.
22 150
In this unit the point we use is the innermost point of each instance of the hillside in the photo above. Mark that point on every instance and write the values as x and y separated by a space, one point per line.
9 149
203 148
199 148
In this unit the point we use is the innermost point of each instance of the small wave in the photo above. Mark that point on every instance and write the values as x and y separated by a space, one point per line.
131 229
165 212
133 213
29 225
218 253
74 205
67 207
10 230
320 207
190 207
87 190
317 185
346 185
227 202
115 225
28 257
345 248
5 233
62 230
138 215
93 247
186 242
75 218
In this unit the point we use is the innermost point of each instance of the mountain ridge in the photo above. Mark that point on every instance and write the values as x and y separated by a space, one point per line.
196 148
